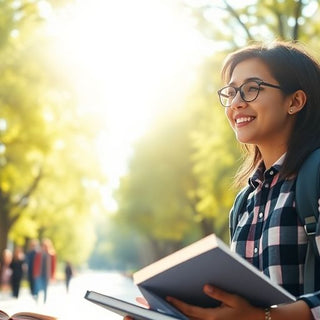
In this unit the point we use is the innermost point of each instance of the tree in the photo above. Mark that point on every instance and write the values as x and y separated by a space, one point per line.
50 173
213 155
260 20
22 145
217 154
155 197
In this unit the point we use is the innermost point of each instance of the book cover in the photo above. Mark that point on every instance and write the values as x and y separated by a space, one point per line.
183 274
208 261
125 308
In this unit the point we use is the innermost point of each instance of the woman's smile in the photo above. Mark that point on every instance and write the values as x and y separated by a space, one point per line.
241 121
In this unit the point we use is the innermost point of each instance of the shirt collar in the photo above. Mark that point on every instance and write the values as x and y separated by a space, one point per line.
261 174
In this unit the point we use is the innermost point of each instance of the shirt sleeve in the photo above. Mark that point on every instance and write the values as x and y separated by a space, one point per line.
313 301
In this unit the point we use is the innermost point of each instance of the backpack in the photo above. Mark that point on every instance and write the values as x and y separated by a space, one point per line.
307 196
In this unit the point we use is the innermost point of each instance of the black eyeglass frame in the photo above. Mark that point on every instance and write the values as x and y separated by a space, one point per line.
239 89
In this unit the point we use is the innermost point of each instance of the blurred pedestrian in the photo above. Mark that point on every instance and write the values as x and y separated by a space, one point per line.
30 255
68 271
44 268
18 268
5 271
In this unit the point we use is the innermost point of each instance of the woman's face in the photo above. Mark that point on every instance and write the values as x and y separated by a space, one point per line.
265 121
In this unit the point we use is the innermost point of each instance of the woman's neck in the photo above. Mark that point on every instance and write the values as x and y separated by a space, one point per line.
271 154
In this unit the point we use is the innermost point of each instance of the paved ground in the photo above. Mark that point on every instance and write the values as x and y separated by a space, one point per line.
72 305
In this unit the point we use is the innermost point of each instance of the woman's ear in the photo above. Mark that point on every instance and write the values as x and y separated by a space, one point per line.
298 101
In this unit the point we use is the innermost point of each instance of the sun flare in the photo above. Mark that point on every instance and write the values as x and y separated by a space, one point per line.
129 61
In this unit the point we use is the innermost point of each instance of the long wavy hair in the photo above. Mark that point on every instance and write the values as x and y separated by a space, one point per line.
295 69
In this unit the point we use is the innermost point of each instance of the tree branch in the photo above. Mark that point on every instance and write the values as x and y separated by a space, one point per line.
297 14
23 200
237 17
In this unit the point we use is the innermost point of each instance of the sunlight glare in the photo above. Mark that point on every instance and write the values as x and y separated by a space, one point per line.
130 61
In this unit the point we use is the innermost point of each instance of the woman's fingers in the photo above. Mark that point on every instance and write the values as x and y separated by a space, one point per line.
224 297
142 301
232 307
193 312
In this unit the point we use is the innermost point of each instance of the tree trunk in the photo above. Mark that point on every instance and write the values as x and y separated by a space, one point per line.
4 230
207 226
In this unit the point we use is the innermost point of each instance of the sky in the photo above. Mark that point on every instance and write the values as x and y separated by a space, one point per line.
129 61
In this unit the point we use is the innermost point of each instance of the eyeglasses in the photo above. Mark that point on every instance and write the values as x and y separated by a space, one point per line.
249 91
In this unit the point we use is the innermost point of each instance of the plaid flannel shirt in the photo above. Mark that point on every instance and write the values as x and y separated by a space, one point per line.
270 236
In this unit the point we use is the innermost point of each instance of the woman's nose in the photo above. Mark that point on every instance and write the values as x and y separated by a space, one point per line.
238 102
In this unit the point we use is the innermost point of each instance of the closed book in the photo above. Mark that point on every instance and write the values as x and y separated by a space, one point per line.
125 308
183 274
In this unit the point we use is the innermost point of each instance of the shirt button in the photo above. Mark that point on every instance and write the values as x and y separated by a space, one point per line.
271 172
255 250
266 185
260 215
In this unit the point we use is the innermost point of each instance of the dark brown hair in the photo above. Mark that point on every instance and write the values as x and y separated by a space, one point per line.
294 69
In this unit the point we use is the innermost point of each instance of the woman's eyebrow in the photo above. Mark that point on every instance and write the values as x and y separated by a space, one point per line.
246 80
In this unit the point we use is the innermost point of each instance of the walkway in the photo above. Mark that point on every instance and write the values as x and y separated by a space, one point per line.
72 305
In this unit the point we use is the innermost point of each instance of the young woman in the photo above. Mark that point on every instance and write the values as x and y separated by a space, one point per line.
272 102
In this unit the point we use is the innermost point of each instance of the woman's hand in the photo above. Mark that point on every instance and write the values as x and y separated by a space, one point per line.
142 301
232 307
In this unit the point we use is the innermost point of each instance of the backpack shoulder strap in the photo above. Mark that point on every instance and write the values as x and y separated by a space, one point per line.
308 192
307 195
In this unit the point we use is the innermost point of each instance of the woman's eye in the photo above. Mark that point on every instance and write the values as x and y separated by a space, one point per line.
230 93
253 89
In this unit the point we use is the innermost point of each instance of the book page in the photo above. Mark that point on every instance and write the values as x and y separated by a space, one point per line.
31 316
189 252
3 315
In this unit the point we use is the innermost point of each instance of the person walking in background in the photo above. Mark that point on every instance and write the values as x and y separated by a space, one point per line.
18 267
30 255
5 271
68 271
44 268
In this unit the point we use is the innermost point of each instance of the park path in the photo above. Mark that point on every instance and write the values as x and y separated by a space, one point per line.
72 305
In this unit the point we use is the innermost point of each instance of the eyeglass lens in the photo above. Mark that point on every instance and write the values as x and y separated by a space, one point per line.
248 92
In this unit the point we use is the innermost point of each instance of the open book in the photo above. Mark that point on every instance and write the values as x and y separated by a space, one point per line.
25 316
184 273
